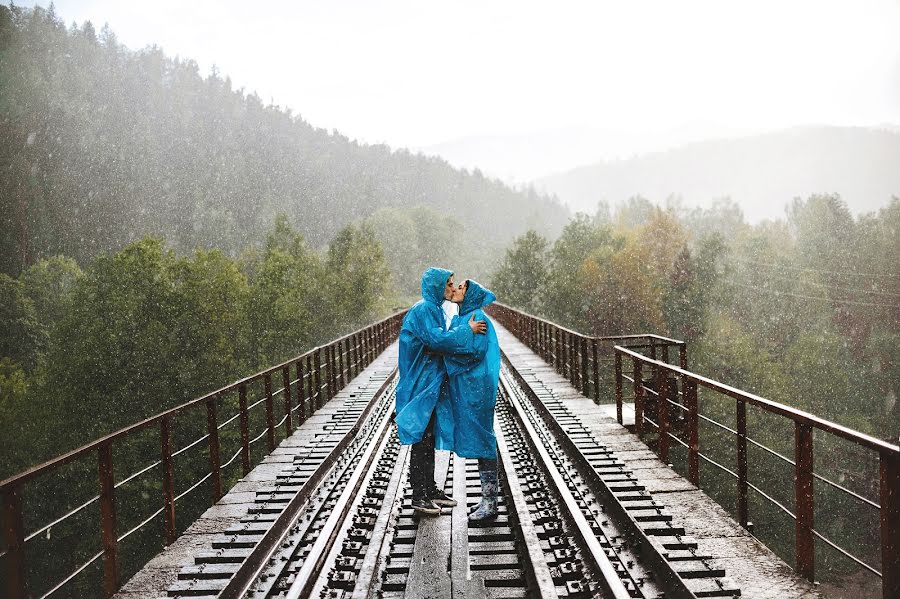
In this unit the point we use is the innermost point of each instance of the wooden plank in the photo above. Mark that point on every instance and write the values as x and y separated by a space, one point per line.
428 576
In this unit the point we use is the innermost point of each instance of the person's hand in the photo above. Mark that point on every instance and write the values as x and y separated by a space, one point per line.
478 326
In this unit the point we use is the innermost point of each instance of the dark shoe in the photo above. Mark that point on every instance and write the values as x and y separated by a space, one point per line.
425 507
440 498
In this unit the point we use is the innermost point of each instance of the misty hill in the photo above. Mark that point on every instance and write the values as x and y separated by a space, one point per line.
762 173
101 145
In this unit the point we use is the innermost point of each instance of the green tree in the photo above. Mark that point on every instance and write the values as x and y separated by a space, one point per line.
22 339
523 272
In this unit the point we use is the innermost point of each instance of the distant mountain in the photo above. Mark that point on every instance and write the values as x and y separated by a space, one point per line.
761 172
521 158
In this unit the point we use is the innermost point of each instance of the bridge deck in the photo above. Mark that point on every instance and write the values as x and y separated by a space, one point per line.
753 567
748 564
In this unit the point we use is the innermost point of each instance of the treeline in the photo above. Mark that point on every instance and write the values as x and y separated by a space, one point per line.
805 311
101 145
85 352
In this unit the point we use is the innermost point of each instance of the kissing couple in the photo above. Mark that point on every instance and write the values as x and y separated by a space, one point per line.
448 389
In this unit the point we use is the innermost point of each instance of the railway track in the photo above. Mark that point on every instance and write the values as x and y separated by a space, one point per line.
573 522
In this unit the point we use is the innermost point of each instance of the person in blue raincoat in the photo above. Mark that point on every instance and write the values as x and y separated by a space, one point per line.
424 414
472 385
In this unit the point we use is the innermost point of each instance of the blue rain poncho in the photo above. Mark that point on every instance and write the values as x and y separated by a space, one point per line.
423 340
473 381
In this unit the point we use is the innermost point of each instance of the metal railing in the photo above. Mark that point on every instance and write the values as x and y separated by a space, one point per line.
305 383
586 361
655 397
661 389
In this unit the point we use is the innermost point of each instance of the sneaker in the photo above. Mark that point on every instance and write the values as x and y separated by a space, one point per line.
425 507
440 498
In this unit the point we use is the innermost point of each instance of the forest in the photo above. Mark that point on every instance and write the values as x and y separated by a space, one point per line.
103 145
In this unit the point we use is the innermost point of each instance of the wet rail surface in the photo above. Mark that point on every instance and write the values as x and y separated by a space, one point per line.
573 521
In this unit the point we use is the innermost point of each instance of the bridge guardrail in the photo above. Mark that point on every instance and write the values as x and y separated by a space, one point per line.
313 378
574 355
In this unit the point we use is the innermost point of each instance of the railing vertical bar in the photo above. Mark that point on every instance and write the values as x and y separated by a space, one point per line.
689 388
301 391
14 538
662 403
619 387
804 510
665 353
889 486
652 348
743 508
638 397
682 356
270 413
168 485
108 520
212 429
245 429
595 352
317 379
340 381
288 408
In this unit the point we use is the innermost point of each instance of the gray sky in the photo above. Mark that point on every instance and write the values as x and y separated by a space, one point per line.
418 73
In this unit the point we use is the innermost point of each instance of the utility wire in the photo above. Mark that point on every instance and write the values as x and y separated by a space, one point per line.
832 287
819 270
813 297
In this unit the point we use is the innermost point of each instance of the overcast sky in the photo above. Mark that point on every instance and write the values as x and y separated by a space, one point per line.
416 73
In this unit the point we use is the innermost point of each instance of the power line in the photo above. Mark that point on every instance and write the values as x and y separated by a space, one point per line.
819 270
813 297
832 287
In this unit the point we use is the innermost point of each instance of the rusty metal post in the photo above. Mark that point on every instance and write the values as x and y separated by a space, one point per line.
14 539
662 400
301 394
270 413
168 485
317 379
595 354
108 521
212 429
652 348
341 363
354 353
742 499
693 421
619 387
665 353
804 510
288 408
638 397
682 356
584 366
890 525
245 428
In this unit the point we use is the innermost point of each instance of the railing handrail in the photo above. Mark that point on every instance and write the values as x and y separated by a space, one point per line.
772 406
67 457
664 340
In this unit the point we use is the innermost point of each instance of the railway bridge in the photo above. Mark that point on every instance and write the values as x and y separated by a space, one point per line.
623 474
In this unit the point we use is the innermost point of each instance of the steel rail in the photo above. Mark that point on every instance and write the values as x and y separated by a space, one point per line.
540 571
586 537
673 582
313 576
252 567
379 542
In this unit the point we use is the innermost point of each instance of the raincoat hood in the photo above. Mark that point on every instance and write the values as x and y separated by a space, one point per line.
476 297
433 282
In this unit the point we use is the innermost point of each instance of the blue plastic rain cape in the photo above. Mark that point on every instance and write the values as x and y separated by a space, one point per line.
473 381
423 340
